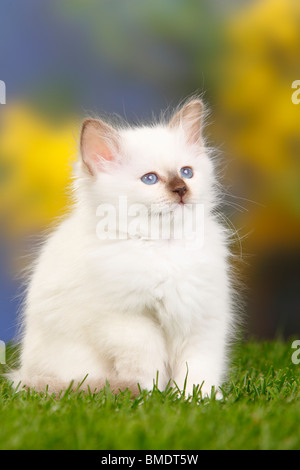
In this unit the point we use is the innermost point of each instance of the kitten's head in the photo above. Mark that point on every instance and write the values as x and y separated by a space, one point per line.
163 166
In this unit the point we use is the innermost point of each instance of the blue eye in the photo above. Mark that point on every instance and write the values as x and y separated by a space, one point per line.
149 178
186 172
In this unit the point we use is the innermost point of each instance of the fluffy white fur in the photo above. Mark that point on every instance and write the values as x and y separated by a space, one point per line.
123 310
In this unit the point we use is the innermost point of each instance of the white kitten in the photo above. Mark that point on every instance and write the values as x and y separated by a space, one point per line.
109 299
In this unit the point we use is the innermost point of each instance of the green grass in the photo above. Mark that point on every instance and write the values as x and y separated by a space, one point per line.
261 410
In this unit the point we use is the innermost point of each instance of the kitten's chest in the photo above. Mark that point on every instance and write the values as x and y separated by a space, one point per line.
147 276
180 285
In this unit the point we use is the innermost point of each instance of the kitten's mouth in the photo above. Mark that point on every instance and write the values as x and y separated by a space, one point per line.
179 202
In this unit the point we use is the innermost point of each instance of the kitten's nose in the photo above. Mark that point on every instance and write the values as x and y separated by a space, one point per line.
180 190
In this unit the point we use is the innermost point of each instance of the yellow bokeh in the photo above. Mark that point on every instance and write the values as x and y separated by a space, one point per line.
262 125
35 167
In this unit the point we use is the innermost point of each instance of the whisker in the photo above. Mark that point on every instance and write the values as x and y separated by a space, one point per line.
233 230
245 199
236 206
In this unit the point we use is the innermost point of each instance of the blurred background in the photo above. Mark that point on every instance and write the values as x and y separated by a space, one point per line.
62 59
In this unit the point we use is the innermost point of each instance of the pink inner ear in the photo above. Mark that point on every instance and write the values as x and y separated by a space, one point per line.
96 162
95 148
95 154
190 118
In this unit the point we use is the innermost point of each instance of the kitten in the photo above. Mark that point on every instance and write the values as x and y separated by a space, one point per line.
108 300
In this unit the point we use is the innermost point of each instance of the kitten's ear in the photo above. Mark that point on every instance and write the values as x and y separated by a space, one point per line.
189 118
99 143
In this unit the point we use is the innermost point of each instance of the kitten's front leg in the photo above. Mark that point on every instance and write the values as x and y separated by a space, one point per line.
139 351
201 362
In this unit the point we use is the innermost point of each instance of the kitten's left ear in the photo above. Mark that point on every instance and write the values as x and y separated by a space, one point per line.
99 143
190 118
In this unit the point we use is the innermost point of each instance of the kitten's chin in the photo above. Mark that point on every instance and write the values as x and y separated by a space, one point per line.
167 208
161 209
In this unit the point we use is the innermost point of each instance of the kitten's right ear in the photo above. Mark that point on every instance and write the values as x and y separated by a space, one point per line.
190 118
99 143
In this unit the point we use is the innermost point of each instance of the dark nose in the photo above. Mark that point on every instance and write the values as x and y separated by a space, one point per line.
180 190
